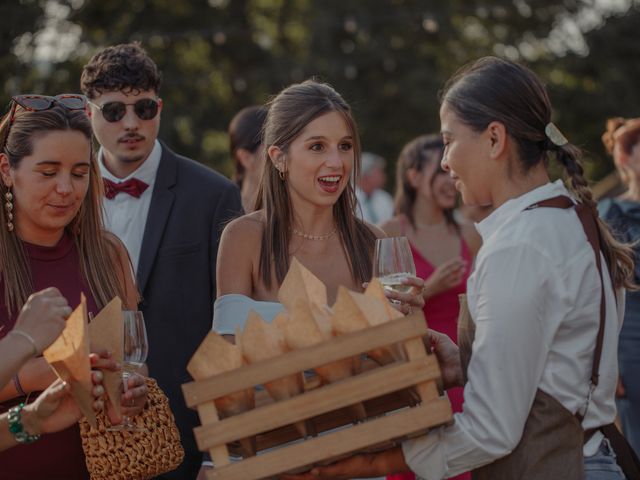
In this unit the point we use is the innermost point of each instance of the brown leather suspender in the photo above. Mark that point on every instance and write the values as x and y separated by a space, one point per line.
589 223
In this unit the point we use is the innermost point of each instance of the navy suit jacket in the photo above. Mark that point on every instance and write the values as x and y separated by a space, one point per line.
176 276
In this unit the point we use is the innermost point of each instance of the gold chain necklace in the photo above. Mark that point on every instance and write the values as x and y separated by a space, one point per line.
309 236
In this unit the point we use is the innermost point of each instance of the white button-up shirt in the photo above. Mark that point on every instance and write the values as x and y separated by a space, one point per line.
535 297
126 216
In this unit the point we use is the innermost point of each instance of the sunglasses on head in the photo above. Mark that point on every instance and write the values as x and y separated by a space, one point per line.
145 109
37 103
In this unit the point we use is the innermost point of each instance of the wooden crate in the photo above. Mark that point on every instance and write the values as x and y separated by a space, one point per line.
384 391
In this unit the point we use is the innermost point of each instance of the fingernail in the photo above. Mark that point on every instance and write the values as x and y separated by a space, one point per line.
98 375
99 390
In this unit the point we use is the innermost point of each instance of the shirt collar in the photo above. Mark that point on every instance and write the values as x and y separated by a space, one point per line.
515 206
146 172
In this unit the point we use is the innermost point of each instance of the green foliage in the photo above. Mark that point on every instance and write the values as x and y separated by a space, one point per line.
388 58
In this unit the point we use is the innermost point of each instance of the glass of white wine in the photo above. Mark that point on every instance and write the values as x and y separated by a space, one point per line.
136 348
392 263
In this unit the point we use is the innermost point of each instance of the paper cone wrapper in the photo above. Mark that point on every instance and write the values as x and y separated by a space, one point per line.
376 290
69 357
301 285
106 331
214 356
260 341
304 330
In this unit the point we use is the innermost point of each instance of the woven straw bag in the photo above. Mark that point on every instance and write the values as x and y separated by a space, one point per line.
123 455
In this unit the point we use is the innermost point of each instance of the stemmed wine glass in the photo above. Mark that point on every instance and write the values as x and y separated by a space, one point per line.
392 263
136 348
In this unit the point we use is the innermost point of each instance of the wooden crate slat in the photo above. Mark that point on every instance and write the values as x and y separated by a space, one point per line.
338 418
316 402
335 444
340 347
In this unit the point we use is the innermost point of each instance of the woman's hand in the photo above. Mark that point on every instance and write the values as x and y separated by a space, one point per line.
55 409
43 317
448 275
408 302
134 397
448 357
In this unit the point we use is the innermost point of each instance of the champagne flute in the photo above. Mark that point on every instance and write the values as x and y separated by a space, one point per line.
392 263
136 348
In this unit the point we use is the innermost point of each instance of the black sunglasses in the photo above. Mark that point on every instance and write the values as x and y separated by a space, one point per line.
37 103
145 109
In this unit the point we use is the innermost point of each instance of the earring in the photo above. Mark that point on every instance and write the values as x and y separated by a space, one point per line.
282 174
8 206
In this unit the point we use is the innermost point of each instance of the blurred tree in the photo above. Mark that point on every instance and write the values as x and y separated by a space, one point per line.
388 58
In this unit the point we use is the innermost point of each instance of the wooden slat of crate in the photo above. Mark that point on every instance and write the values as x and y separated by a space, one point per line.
336 444
304 359
316 402
344 416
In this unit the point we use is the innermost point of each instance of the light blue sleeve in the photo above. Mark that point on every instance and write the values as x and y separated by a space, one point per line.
230 311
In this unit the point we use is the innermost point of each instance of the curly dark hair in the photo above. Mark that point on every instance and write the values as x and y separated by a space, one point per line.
121 67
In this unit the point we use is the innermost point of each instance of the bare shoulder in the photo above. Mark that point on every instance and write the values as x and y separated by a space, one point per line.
247 228
393 227
471 236
239 254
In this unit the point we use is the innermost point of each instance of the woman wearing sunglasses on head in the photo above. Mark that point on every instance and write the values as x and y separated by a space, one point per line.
51 234
546 301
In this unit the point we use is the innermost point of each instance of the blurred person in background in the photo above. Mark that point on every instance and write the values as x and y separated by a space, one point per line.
443 249
622 140
245 140
375 205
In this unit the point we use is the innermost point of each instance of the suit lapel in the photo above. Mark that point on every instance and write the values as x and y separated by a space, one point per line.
159 210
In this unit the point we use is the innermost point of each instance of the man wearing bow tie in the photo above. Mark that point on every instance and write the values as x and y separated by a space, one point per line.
168 210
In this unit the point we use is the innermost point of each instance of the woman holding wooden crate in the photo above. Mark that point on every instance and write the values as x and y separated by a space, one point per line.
546 302
305 210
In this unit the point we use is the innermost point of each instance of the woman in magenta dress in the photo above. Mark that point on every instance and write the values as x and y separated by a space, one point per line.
443 249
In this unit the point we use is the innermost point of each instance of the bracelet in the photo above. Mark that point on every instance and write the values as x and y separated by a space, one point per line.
16 383
16 427
28 337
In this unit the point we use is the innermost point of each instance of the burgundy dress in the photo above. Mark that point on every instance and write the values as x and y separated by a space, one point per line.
441 312
55 456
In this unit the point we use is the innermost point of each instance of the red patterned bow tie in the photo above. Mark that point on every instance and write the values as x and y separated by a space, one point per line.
133 187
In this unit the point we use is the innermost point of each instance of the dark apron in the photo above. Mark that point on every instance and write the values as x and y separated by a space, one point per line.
553 437
551 443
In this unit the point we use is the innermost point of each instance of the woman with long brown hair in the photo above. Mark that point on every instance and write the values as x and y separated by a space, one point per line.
305 209
51 234
539 396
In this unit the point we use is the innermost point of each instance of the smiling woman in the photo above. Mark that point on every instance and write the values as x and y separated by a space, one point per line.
306 204
51 235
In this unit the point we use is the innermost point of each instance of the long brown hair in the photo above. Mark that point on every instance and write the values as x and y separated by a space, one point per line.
416 155
493 89
289 113
96 249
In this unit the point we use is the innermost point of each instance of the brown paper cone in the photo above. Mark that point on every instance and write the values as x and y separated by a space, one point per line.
69 357
260 341
106 331
214 356
301 284
376 290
